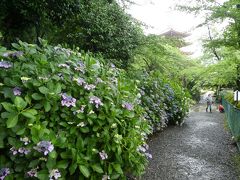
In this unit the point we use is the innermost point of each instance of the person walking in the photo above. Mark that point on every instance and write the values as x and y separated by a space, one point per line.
209 103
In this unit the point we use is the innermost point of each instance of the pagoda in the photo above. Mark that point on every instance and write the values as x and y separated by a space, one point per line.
178 35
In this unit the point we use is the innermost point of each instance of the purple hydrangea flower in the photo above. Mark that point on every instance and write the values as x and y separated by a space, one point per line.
89 86
81 81
80 67
68 100
148 155
5 64
44 147
13 54
23 150
32 173
141 149
128 106
95 100
17 91
103 155
54 174
4 172
14 150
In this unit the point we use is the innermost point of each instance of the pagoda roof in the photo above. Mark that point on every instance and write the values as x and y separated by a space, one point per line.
173 33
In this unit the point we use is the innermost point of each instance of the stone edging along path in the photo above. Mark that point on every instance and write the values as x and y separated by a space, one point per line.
200 149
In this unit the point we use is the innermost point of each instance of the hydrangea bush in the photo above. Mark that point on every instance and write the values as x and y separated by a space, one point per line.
66 116
165 102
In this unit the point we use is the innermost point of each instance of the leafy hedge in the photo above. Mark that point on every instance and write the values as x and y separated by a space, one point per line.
65 116
165 101
230 98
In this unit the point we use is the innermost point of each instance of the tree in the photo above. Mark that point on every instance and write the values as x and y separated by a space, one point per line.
29 19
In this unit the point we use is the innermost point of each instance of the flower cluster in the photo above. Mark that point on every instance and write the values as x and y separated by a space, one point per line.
54 174
80 67
89 86
44 147
105 177
95 100
32 173
26 140
13 54
17 91
103 155
128 106
68 100
5 64
143 149
4 172
21 150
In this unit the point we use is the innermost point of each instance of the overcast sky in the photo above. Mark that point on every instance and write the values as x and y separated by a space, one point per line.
161 16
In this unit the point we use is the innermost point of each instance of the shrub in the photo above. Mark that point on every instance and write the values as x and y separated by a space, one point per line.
165 102
65 115
230 98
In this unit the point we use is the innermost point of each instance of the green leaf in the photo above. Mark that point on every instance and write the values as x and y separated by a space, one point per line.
43 90
43 174
97 168
20 103
73 168
8 107
21 131
118 168
12 120
47 106
30 113
62 164
51 163
58 88
37 96
84 170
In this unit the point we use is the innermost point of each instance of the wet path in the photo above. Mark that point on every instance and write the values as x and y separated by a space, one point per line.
200 149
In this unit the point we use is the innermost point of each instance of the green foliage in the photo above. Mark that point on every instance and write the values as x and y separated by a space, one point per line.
98 26
230 98
64 112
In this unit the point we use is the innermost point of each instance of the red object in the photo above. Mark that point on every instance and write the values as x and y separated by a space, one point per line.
221 108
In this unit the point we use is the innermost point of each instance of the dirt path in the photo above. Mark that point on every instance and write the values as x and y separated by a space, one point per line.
200 149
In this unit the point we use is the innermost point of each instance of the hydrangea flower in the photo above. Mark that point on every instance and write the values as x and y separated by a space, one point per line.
23 150
95 100
13 150
148 155
26 140
4 172
103 155
44 147
81 124
25 79
105 177
32 173
17 91
98 80
89 86
13 54
54 174
80 67
128 106
64 66
80 81
5 64
68 100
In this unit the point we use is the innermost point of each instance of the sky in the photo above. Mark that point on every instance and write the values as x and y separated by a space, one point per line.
161 17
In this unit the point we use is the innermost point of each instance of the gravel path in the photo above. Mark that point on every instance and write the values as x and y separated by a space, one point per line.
200 149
